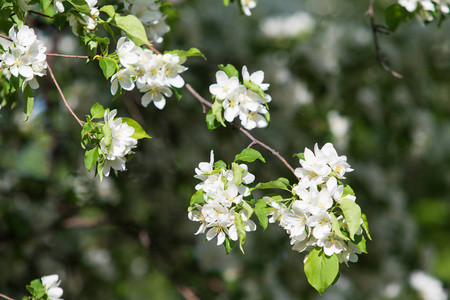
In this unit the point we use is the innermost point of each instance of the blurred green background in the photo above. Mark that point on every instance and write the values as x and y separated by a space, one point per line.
129 237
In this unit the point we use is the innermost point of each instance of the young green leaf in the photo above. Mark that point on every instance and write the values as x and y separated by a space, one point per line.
133 28
197 198
108 66
352 214
211 121
185 54
281 183
139 132
240 229
230 70
261 210
321 270
217 112
28 99
255 88
45 4
393 15
81 5
348 191
249 155
299 155
109 9
90 158
365 226
336 228
238 172
360 242
97 111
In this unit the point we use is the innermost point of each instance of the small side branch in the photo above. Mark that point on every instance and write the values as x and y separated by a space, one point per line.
6 297
375 30
67 56
254 141
62 96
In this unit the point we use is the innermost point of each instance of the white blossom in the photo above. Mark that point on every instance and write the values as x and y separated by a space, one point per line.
51 284
247 5
429 288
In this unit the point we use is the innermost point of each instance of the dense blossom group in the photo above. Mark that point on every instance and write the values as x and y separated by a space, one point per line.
223 194
117 142
153 74
238 100
23 56
308 220
82 22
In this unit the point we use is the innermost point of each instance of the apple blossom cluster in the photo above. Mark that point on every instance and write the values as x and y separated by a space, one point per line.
318 215
153 74
221 208
117 142
82 23
149 13
246 101
51 284
427 9
23 56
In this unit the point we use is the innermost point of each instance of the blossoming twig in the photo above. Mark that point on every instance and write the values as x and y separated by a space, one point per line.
253 140
375 30
64 98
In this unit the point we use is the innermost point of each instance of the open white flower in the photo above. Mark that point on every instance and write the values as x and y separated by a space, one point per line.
224 85
247 5
51 283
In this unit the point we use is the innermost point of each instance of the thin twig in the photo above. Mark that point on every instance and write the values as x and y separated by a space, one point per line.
40 14
62 96
375 30
253 140
6 37
6 297
67 56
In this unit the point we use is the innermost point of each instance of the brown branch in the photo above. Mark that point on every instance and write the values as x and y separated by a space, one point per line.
40 14
6 37
6 297
62 96
375 30
254 141
67 56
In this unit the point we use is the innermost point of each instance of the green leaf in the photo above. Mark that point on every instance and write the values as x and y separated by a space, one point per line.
45 4
226 2
97 111
299 155
393 15
352 214
217 112
90 158
321 270
281 183
249 155
101 166
109 9
337 228
360 242
365 226
261 210
139 132
248 209
36 289
133 29
230 70
348 191
229 244
81 5
220 164
28 99
185 54
255 88
60 21
108 65
238 172
108 135
240 229
211 121
197 198
178 92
